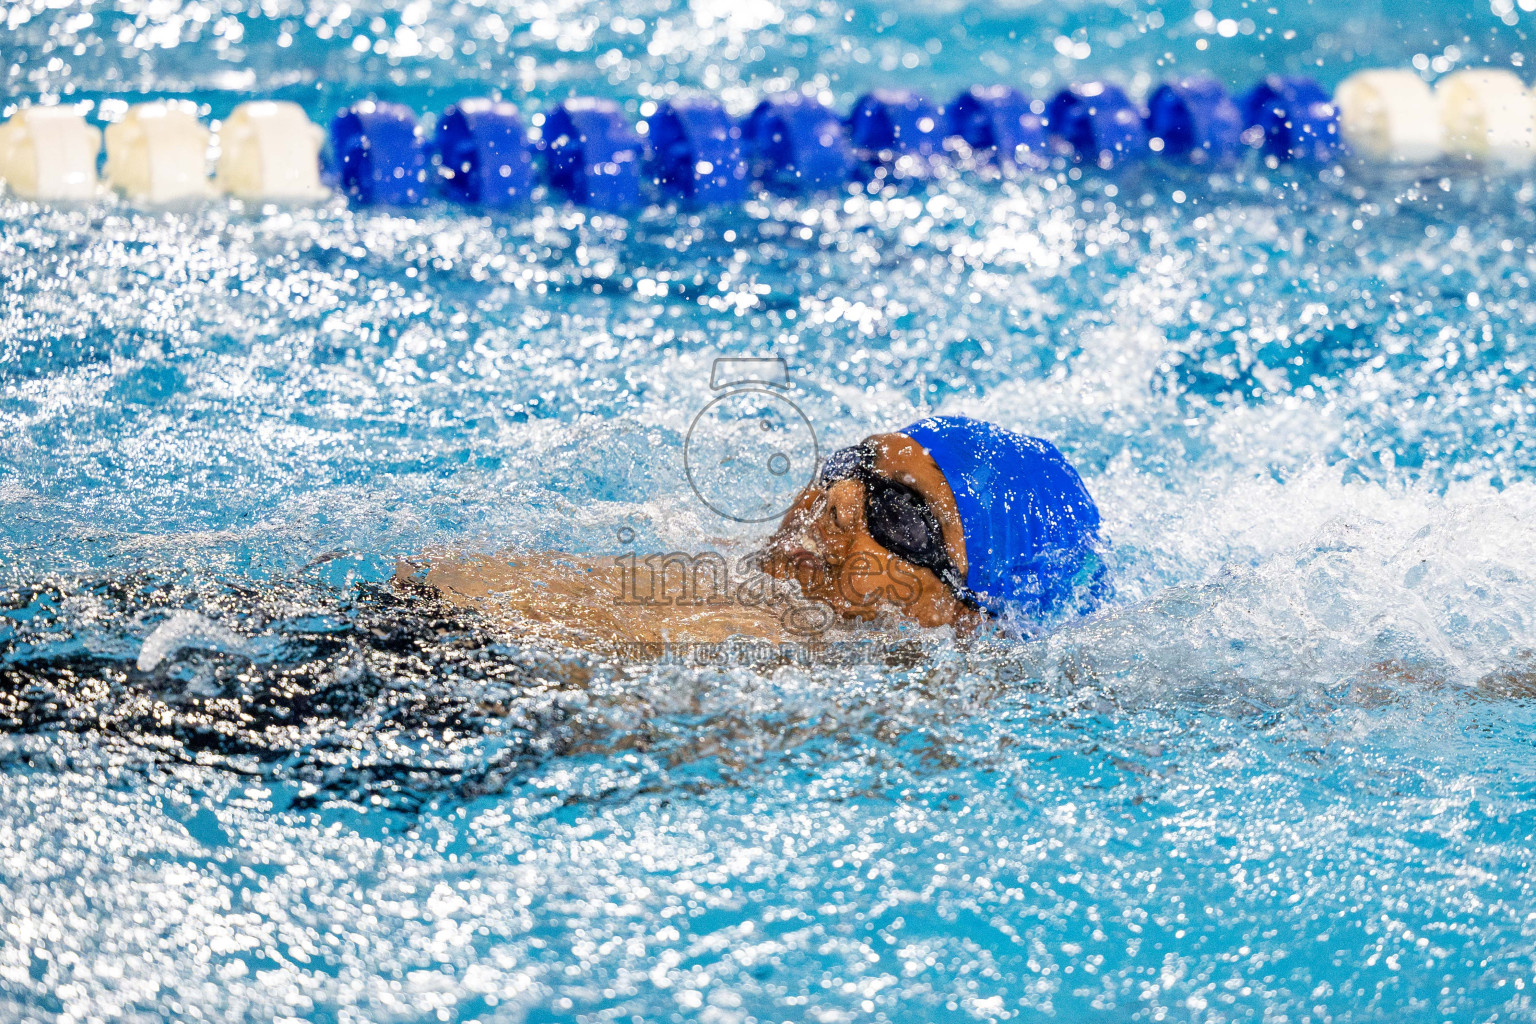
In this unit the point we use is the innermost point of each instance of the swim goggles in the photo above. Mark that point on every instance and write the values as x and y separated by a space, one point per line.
899 519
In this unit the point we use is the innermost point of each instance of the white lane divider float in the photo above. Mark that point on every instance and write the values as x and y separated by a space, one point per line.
1390 115
1489 117
270 151
49 154
158 153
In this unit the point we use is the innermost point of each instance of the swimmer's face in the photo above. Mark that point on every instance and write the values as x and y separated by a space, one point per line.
825 543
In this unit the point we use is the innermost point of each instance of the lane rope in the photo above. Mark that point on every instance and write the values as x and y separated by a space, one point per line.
691 151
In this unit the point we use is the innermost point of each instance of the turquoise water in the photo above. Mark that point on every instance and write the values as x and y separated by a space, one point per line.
241 780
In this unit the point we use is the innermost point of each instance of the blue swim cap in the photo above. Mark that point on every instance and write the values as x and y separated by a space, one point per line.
1030 526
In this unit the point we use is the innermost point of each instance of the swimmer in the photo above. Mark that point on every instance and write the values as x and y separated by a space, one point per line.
948 522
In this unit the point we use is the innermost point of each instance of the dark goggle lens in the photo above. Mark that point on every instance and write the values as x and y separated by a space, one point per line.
897 517
903 525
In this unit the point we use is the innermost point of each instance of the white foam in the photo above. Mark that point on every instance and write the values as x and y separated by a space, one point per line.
185 630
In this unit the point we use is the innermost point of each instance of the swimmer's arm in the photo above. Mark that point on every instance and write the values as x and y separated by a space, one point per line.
1514 681
534 584
593 597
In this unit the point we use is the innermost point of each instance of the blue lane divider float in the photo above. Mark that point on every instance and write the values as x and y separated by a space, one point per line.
593 154
697 151
1297 117
797 143
379 154
1098 123
1001 121
895 123
1197 122
485 153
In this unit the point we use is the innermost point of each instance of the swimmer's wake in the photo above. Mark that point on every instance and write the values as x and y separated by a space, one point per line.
344 694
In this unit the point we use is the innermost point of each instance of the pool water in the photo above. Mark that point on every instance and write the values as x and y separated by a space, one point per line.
241 778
